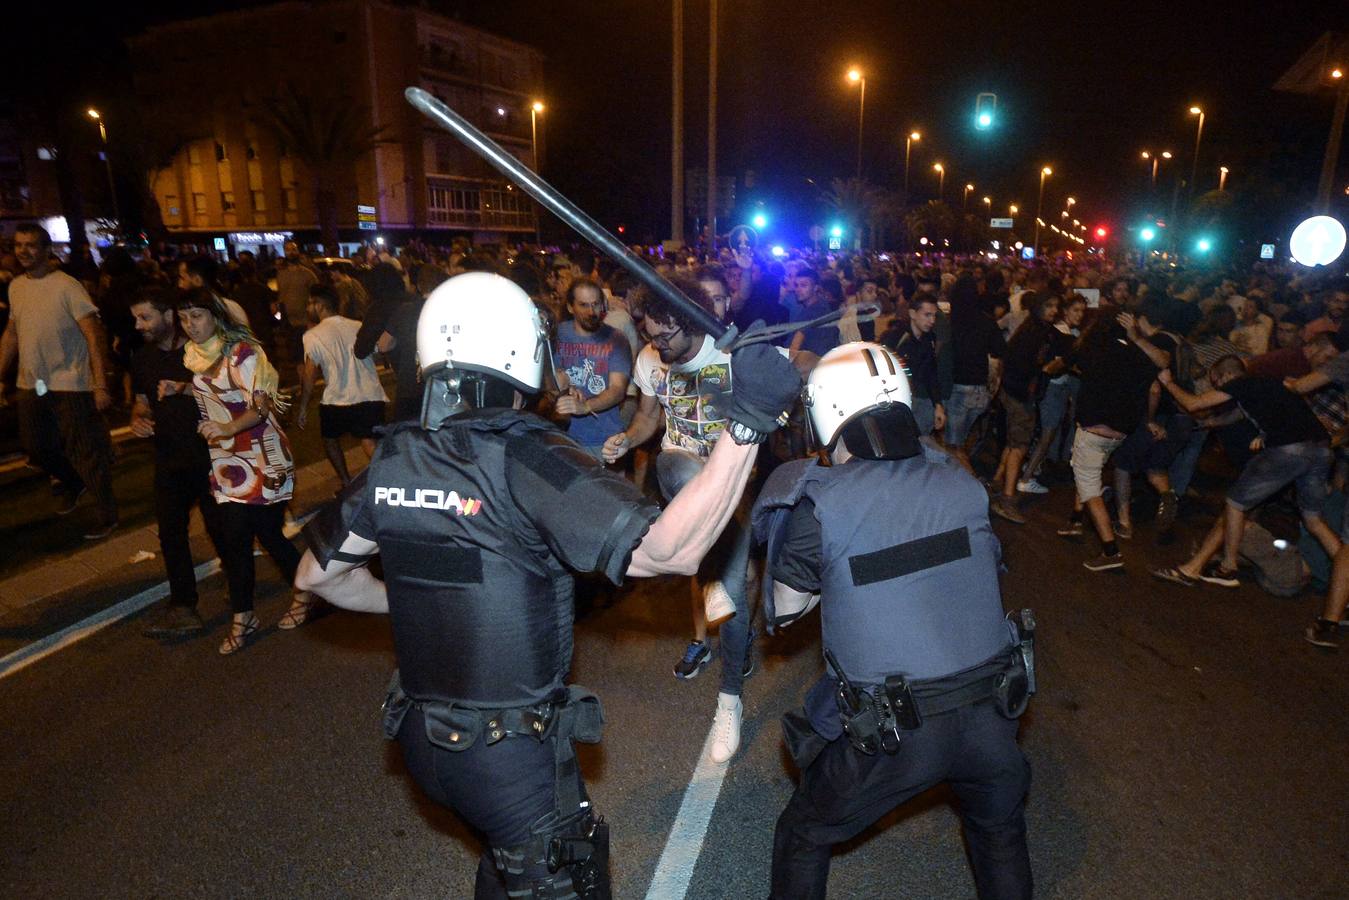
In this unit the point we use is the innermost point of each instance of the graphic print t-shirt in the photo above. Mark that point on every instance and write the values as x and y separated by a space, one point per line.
589 360
696 396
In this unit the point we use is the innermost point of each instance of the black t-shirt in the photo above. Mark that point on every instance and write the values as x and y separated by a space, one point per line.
402 324
1116 376
974 338
1027 353
1281 415
177 443
798 562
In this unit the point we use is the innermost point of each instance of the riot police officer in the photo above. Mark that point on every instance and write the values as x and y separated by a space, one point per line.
925 675
480 513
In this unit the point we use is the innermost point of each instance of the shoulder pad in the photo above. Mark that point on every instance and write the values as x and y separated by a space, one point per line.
783 489
551 455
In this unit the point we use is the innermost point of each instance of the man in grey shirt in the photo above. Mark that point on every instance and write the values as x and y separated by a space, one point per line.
54 332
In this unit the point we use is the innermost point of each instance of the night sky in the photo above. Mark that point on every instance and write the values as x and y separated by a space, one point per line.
1081 87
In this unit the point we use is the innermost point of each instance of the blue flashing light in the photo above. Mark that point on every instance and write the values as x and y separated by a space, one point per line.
760 220
1203 245
836 231
985 120
778 251
1147 234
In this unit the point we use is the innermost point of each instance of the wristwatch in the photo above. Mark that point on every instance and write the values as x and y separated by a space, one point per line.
742 434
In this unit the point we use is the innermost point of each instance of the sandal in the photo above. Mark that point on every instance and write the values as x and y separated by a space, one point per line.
301 609
239 635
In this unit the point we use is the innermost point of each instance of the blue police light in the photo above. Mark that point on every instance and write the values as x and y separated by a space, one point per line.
1147 234
760 220
984 120
778 250
836 231
1203 245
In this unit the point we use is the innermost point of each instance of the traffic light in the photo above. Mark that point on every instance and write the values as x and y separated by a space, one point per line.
1203 245
1101 232
836 231
1147 233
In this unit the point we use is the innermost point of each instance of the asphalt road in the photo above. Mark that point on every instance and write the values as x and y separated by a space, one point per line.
1185 743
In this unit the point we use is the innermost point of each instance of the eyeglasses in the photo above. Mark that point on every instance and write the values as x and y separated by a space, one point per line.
664 338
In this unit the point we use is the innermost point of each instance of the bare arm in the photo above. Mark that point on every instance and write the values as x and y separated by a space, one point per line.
92 329
680 538
142 417
346 584
1192 402
311 373
797 340
610 396
1313 381
386 343
643 425
9 350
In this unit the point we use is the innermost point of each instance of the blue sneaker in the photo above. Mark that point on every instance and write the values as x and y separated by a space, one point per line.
696 657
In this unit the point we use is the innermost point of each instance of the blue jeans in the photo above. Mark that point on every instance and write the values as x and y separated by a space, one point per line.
727 561
1271 470
923 412
968 402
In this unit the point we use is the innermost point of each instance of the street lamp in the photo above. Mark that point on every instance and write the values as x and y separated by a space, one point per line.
1222 177
1012 210
965 196
1198 136
1156 161
908 145
1039 204
988 202
107 163
534 109
856 77
941 178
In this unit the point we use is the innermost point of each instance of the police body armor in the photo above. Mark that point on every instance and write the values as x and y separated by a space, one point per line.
908 574
481 610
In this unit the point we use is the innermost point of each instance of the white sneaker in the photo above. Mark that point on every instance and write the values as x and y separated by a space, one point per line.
725 729
1031 486
717 602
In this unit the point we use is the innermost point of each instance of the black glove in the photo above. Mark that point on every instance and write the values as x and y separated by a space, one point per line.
764 386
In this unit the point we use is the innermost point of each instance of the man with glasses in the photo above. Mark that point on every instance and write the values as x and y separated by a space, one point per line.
682 375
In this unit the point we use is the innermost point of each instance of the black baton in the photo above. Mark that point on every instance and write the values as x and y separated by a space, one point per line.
551 198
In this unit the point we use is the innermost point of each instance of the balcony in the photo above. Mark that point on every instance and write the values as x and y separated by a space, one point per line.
471 204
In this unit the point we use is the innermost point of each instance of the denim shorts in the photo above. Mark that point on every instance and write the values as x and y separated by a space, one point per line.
1090 452
1274 468
968 402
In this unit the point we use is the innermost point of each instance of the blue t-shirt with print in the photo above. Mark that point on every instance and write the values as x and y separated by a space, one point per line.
589 360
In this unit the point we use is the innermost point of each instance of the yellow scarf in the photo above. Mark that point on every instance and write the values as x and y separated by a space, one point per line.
200 358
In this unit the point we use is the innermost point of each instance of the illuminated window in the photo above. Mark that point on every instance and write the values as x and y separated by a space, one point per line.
199 204
292 201
259 201
227 201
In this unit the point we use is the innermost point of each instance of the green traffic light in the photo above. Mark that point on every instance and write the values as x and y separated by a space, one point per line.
1147 234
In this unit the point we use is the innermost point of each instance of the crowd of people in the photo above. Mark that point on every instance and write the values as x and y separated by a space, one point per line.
1082 372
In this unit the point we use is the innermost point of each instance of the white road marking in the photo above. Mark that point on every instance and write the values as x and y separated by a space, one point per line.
685 843
25 656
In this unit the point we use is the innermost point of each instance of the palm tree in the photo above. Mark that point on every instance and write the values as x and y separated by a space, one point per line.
328 135
933 220
855 201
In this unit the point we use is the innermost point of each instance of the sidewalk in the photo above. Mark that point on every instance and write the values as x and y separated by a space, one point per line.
316 483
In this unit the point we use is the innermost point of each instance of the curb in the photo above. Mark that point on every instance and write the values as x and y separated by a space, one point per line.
315 485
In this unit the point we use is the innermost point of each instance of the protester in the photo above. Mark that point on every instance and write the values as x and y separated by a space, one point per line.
252 471
55 334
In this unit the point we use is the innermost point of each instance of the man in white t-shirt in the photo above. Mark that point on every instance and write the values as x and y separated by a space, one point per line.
353 398
55 333
682 375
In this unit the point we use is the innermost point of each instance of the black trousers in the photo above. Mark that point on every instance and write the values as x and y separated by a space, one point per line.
66 436
176 492
240 523
844 791
500 791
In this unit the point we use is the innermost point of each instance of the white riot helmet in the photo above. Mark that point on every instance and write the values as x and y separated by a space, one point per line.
860 390
474 325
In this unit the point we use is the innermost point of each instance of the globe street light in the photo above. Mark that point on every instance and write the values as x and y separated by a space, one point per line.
856 77
1012 210
1156 161
965 196
107 163
941 178
1222 177
1039 204
1198 136
908 145
534 109
988 202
